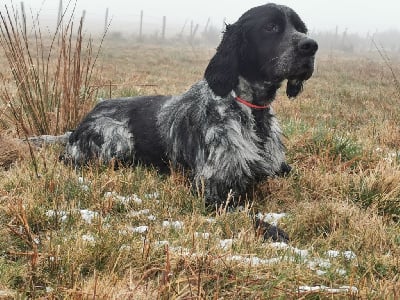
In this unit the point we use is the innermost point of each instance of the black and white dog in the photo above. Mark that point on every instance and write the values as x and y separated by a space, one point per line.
223 128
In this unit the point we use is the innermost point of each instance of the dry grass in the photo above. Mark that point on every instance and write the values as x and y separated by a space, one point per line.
344 194
51 88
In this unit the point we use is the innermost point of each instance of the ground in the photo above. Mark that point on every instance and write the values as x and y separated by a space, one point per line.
131 233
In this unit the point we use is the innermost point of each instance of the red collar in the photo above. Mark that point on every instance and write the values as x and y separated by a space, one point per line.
251 105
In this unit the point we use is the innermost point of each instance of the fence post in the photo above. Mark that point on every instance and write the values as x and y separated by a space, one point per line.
207 24
141 26
163 27
83 15
23 17
106 21
60 13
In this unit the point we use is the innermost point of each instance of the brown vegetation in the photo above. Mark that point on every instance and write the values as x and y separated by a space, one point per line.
79 234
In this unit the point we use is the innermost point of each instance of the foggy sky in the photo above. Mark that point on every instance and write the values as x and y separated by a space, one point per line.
319 15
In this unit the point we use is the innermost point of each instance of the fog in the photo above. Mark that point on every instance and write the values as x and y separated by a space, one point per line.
340 17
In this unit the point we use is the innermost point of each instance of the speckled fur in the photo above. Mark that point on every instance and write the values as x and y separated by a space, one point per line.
226 145
216 137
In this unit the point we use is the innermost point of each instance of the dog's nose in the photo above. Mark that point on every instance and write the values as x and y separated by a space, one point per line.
308 47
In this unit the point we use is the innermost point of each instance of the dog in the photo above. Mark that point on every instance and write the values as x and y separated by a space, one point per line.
223 129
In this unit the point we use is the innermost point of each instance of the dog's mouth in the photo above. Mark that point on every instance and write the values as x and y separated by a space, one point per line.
303 71
297 76
299 71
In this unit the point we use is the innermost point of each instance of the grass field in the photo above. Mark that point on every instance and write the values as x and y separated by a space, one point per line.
97 233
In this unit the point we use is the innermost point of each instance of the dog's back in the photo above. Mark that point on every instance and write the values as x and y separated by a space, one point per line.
122 129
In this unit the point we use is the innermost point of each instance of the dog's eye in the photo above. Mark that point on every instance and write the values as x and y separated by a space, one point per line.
271 27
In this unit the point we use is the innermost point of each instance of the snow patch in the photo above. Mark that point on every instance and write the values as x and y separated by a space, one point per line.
173 224
271 218
63 215
322 288
125 200
203 235
226 244
89 238
140 229
88 215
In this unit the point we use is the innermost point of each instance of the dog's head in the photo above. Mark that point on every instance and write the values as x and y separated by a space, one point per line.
268 43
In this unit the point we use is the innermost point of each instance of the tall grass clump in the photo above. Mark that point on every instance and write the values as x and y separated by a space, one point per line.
51 74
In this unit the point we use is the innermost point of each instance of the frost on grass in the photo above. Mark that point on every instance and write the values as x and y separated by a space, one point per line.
173 224
254 260
89 239
203 235
125 200
134 213
328 263
139 229
62 215
225 244
86 214
322 288
271 218
349 255
84 184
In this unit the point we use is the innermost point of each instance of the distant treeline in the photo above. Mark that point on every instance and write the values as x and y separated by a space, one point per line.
354 42
388 40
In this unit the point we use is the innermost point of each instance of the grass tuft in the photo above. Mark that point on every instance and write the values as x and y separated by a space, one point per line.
52 76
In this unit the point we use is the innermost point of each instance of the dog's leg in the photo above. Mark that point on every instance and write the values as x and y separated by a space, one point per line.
269 231
217 192
285 170
275 150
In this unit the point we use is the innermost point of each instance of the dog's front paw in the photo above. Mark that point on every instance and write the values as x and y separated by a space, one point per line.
285 170
269 231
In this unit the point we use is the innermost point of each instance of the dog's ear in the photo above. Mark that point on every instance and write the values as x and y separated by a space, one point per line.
293 88
222 73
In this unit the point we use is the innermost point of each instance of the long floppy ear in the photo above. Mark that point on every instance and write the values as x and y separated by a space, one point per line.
293 88
222 73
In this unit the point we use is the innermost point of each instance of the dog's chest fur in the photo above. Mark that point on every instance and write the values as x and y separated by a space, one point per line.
217 136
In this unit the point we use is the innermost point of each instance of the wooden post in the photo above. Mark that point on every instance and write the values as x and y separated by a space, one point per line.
163 27
194 33
106 21
60 13
206 27
83 15
183 29
141 26
23 17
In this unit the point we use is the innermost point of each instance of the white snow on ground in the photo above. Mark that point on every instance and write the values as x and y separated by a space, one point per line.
322 288
173 224
349 255
272 218
154 195
253 260
126 200
84 184
161 243
210 220
321 265
134 213
225 244
88 215
60 213
89 238
203 235
139 229
152 217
